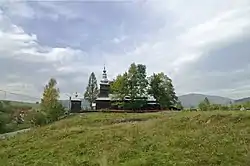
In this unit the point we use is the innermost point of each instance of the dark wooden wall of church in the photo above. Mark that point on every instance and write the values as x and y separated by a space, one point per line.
107 104
103 104
75 106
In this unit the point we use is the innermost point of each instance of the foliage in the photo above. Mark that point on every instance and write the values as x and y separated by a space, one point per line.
206 101
6 107
3 121
37 118
135 85
132 84
51 108
49 103
9 116
6 112
238 106
161 87
50 95
91 92
136 81
204 105
185 138
179 105
118 104
142 80
120 86
135 105
219 107
207 106
54 114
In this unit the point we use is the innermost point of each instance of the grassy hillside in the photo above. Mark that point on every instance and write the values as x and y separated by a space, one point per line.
186 138
9 110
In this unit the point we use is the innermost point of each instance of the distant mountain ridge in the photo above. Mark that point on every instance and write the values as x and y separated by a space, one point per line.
193 99
243 100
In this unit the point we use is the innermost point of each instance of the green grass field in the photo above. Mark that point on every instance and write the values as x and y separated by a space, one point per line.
158 139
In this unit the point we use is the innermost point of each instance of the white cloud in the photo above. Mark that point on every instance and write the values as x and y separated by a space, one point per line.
196 27
119 40
218 31
17 8
58 10
230 24
24 9
193 12
199 27
16 43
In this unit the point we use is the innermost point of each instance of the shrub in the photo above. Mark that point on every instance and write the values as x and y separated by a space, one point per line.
6 107
54 113
4 119
2 125
132 105
37 118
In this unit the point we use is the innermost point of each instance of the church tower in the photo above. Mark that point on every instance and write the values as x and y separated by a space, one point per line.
104 85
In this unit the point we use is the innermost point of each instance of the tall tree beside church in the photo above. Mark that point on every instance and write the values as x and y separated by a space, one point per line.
120 86
137 86
142 80
91 92
119 89
162 89
133 84
137 81
171 92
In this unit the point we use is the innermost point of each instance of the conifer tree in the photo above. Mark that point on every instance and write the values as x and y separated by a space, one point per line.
92 91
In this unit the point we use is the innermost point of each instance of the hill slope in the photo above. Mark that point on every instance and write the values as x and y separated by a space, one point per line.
22 104
187 138
193 100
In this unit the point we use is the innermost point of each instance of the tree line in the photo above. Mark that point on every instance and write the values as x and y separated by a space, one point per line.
135 84
206 105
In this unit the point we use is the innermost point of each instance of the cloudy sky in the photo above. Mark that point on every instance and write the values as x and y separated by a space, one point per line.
204 46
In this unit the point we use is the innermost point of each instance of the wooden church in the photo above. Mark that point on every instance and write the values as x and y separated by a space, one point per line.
105 98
